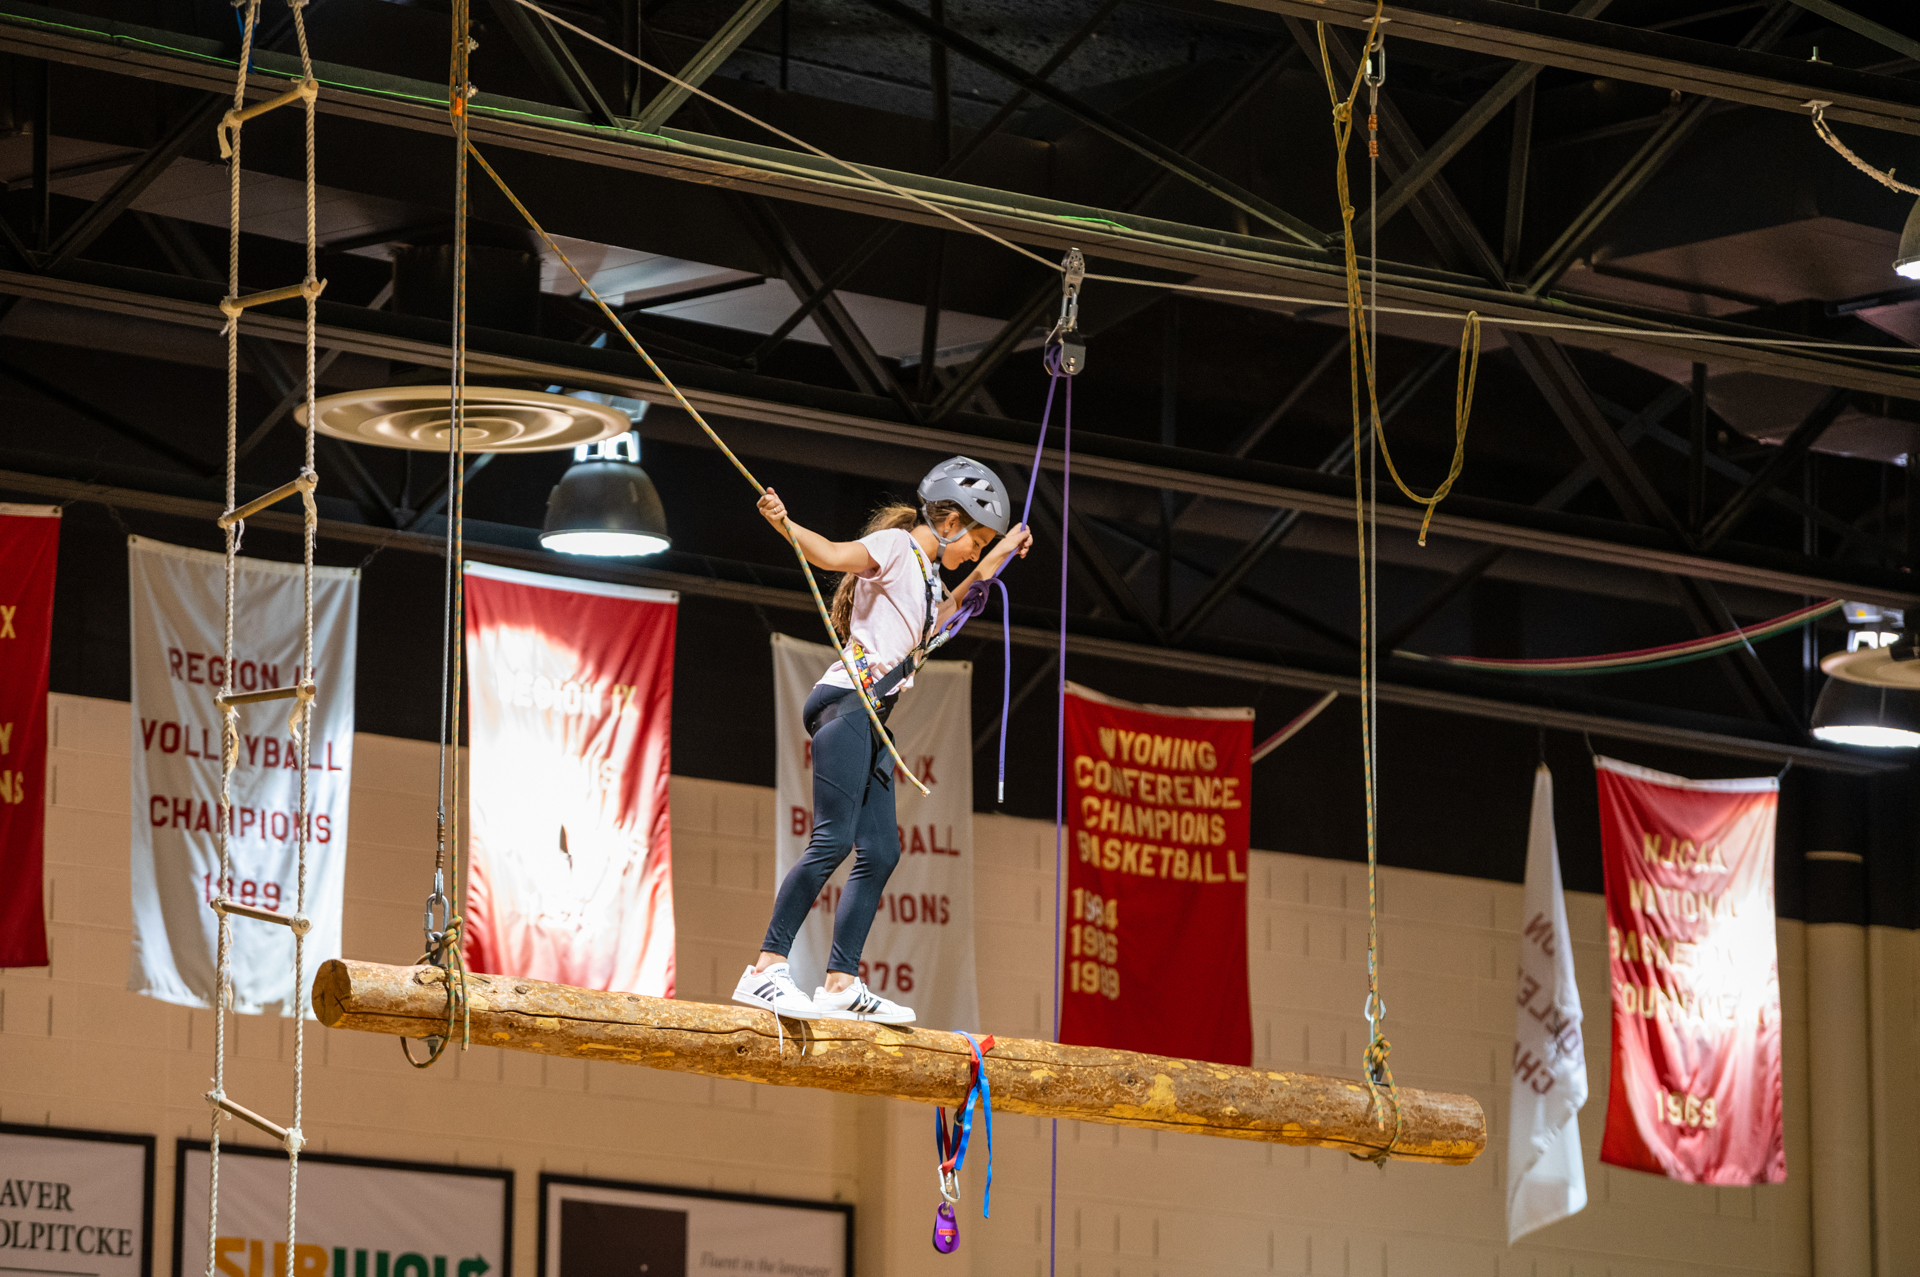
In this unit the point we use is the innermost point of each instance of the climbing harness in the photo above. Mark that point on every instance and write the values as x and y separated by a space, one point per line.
232 522
1646 658
951 1148
1381 1092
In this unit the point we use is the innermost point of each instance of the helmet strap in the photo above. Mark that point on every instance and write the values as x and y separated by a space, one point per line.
934 528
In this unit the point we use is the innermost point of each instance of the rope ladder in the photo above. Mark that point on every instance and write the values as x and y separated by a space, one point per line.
232 524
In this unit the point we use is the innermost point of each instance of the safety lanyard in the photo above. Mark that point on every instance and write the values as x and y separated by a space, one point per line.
952 1148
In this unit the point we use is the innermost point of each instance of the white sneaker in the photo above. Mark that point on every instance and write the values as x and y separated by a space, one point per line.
774 990
858 1002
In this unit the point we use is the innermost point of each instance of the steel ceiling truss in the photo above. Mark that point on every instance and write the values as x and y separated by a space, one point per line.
1523 33
1159 248
723 394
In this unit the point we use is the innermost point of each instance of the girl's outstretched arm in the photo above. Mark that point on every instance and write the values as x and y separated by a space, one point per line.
828 556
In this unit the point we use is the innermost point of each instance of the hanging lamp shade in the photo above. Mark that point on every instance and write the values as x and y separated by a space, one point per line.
1907 264
605 508
1849 713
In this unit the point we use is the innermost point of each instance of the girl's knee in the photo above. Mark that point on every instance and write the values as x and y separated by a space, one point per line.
883 857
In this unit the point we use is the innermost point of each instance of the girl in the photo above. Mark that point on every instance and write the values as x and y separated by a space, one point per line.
889 605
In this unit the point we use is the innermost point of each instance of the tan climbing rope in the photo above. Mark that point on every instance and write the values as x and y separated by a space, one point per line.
232 523
1382 1093
446 939
826 617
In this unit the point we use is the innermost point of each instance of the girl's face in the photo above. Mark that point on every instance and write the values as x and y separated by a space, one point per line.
968 548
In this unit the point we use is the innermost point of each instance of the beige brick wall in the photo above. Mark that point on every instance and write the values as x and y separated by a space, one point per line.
77 1049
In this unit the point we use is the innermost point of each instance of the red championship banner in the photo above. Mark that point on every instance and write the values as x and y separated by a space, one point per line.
29 551
570 704
1695 1093
1155 940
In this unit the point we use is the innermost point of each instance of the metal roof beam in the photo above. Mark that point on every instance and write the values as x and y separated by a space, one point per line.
1696 67
1156 247
721 394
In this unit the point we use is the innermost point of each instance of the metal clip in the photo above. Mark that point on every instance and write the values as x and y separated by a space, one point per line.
437 936
1377 70
950 1185
1065 350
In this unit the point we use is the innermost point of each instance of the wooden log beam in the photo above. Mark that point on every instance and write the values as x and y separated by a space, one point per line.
1088 1084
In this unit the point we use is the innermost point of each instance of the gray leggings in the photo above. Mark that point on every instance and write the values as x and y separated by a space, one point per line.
852 812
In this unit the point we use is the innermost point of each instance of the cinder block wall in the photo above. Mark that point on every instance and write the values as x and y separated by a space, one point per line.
77 1050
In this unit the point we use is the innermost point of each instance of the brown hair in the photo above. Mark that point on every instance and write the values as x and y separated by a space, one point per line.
894 514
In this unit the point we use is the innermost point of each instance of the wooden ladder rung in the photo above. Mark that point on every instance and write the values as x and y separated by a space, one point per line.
289 1140
299 923
304 91
269 694
232 306
305 483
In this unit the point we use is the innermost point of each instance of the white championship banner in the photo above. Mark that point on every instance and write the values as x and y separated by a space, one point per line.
358 1216
178 601
920 951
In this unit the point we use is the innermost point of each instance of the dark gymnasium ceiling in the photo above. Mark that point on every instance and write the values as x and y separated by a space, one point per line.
1639 161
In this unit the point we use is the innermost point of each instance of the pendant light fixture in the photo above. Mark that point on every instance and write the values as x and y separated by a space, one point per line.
606 505
1850 713
1872 697
1907 264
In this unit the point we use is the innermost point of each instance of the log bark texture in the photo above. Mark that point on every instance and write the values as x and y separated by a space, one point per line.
1088 1084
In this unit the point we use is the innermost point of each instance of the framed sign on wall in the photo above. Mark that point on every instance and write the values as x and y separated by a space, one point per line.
609 1228
359 1216
75 1203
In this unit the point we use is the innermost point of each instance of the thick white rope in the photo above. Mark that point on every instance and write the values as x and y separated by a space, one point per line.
229 716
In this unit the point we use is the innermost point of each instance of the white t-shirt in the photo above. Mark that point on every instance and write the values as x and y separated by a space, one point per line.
890 604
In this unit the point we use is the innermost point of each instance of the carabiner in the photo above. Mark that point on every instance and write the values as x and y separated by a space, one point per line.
1065 352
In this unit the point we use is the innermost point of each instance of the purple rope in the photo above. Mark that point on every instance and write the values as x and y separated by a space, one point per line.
974 602
1059 781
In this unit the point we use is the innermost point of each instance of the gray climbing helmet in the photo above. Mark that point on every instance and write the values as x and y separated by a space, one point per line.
971 486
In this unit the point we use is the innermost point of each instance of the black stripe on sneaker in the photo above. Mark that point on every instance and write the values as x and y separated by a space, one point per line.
766 990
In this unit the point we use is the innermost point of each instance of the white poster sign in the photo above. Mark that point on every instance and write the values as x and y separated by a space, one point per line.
358 1216
920 951
75 1202
178 601
1546 1180
600 1228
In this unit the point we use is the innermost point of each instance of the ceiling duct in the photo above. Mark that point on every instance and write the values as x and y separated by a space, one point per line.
503 282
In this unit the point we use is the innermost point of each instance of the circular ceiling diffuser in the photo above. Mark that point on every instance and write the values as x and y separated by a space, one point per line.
1873 666
498 419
